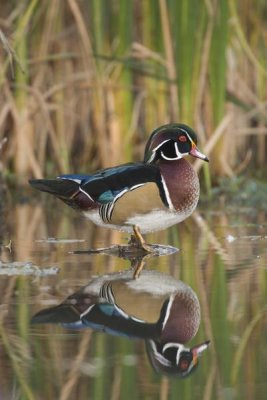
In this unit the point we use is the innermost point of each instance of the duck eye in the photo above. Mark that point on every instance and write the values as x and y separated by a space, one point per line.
184 365
182 138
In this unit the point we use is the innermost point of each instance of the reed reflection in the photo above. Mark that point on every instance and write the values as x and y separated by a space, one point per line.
157 308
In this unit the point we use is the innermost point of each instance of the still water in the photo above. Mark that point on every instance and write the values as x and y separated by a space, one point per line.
222 260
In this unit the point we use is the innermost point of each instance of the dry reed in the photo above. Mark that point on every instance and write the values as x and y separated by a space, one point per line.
83 83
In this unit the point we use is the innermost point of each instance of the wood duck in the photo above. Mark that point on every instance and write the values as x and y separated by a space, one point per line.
163 311
145 196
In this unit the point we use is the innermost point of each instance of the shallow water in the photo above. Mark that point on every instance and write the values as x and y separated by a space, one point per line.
222 256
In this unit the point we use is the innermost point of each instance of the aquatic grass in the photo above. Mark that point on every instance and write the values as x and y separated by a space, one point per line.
220 326
23 124
97 81
170 59
75 370
217 75
129 371
125 39
17 353
242 37
16 348
100 381
188 20
239 354
218 61
22 309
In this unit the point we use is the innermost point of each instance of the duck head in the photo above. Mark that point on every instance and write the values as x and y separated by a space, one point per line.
172 142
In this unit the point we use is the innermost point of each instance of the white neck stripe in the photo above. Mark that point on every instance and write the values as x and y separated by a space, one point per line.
168 311
178 157
167 194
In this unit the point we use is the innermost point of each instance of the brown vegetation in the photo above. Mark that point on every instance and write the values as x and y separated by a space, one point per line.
84 83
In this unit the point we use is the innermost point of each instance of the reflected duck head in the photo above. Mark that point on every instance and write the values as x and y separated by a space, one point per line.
174 358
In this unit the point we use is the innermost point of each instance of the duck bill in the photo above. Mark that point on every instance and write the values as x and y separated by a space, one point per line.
196 153
198 350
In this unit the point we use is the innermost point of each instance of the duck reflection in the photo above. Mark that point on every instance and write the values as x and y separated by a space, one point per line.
163 311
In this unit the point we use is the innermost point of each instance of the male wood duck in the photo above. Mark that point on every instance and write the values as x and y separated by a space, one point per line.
145 196
161 310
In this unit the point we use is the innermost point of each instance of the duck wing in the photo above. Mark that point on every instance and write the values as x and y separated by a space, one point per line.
86 192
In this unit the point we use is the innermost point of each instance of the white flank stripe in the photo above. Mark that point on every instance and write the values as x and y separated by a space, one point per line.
87 311
106 210
86 194
120 195
127 190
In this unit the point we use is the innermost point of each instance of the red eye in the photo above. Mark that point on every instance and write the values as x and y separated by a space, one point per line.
184 365
182 138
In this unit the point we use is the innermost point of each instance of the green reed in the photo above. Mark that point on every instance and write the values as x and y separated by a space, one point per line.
99 76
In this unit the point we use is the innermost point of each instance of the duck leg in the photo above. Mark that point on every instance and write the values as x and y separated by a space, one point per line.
138 266
138 240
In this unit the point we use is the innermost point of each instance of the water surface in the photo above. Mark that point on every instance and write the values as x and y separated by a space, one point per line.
222 256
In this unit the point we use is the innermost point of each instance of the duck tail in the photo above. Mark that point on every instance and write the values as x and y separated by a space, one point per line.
62 188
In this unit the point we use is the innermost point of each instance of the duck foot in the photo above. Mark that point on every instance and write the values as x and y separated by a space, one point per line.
130 251
126 251
136 249
138 265
139 242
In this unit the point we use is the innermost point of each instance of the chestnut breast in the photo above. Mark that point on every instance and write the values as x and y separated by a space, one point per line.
183 319
182 183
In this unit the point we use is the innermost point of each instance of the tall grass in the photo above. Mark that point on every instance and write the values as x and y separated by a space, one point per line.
99 76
